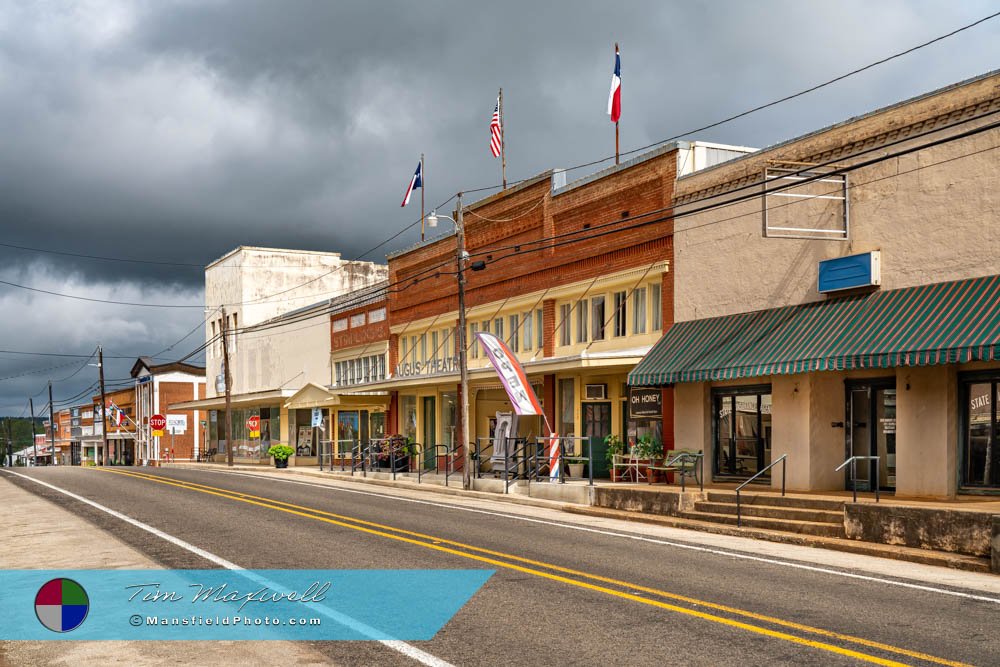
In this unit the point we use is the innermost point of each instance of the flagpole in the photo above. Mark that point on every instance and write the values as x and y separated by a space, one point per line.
503 145
422 188
617 160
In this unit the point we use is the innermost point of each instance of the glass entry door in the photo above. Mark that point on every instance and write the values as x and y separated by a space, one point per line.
429 422
597 426
871 431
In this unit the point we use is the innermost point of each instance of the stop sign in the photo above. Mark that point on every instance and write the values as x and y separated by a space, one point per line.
253 423
157 422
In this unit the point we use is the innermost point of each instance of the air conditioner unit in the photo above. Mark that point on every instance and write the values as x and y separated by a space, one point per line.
595 391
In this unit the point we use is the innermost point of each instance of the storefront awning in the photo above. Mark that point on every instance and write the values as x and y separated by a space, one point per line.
944 323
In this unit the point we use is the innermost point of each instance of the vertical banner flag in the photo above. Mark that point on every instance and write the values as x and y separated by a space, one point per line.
415 182
615 96
496 140
522 396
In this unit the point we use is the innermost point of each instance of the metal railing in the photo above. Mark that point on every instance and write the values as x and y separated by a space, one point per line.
336 451
853 461
587 460
698 457
449 454
739 508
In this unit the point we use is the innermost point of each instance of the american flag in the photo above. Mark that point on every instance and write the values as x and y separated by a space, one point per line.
496 143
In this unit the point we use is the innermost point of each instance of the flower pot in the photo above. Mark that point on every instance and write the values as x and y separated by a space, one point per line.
576 470
280 463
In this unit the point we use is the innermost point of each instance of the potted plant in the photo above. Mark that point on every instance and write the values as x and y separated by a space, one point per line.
649 451
615 447
280 454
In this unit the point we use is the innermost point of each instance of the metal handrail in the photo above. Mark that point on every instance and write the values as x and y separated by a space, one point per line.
739 509
567 458
853 460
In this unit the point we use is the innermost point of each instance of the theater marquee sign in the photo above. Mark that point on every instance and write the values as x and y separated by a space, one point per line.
427 368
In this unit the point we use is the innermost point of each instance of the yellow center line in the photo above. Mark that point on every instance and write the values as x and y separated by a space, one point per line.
380 530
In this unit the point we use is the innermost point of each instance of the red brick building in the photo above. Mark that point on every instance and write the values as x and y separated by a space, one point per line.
161 385
577 281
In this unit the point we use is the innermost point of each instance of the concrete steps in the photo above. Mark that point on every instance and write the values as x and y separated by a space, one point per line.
791 514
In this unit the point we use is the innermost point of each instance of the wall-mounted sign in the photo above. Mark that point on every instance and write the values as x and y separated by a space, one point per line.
317 417
850 272
177 424
429 367
644 402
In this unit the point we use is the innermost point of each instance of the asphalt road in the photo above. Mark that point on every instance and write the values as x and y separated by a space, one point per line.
559 596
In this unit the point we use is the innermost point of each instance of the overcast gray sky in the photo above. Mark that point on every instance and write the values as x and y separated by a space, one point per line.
175 131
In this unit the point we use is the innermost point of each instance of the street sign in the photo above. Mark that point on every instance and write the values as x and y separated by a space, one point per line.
157 423
177 424
253 424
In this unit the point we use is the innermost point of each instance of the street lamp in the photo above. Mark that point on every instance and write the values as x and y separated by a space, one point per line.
461 256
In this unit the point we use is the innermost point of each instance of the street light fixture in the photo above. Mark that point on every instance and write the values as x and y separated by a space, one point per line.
461 257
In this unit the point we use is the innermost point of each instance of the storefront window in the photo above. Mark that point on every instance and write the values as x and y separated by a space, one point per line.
409 414
449 416
742 429
567 404
980 456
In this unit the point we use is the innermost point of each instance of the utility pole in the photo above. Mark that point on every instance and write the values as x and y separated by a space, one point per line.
52 428
34 447
10 445
463 363
228 379
104 404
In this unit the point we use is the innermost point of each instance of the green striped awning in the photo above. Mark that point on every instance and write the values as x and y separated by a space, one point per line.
944 323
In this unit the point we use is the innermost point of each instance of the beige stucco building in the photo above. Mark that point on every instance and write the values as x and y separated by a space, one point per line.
900 363
276 305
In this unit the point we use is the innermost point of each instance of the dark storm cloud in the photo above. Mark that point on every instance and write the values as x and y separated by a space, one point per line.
178 130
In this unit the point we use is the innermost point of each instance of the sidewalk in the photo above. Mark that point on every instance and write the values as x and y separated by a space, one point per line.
579 499
37 534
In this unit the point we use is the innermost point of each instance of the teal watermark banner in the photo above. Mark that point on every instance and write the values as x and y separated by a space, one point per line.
409 605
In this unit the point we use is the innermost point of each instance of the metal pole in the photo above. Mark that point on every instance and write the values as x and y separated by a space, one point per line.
854 478
590 460
876 478
34 445
228 379
52 428
462 360
503 144
617 159
104 403
422 188
783 462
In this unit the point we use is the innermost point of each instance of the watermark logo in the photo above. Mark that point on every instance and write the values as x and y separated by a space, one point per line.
61 605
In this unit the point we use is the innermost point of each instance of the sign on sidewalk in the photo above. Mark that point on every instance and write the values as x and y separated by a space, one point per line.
177 424
253 425
157 423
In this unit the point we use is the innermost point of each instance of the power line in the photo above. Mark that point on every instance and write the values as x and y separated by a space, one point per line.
761 107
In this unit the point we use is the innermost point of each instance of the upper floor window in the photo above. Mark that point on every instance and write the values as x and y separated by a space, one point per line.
340 325
529 330
581 321
358 320
598 317
639 311
656 305
377 315
515 333
620 319
565 336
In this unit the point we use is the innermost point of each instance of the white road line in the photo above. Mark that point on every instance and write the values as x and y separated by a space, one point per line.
402 647
639 538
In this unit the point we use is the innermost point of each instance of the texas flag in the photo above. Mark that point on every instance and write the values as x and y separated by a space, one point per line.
615 96
415 182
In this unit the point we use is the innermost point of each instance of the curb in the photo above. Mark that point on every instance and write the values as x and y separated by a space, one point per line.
910 554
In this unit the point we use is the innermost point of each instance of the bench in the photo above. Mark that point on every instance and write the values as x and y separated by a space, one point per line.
684 462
